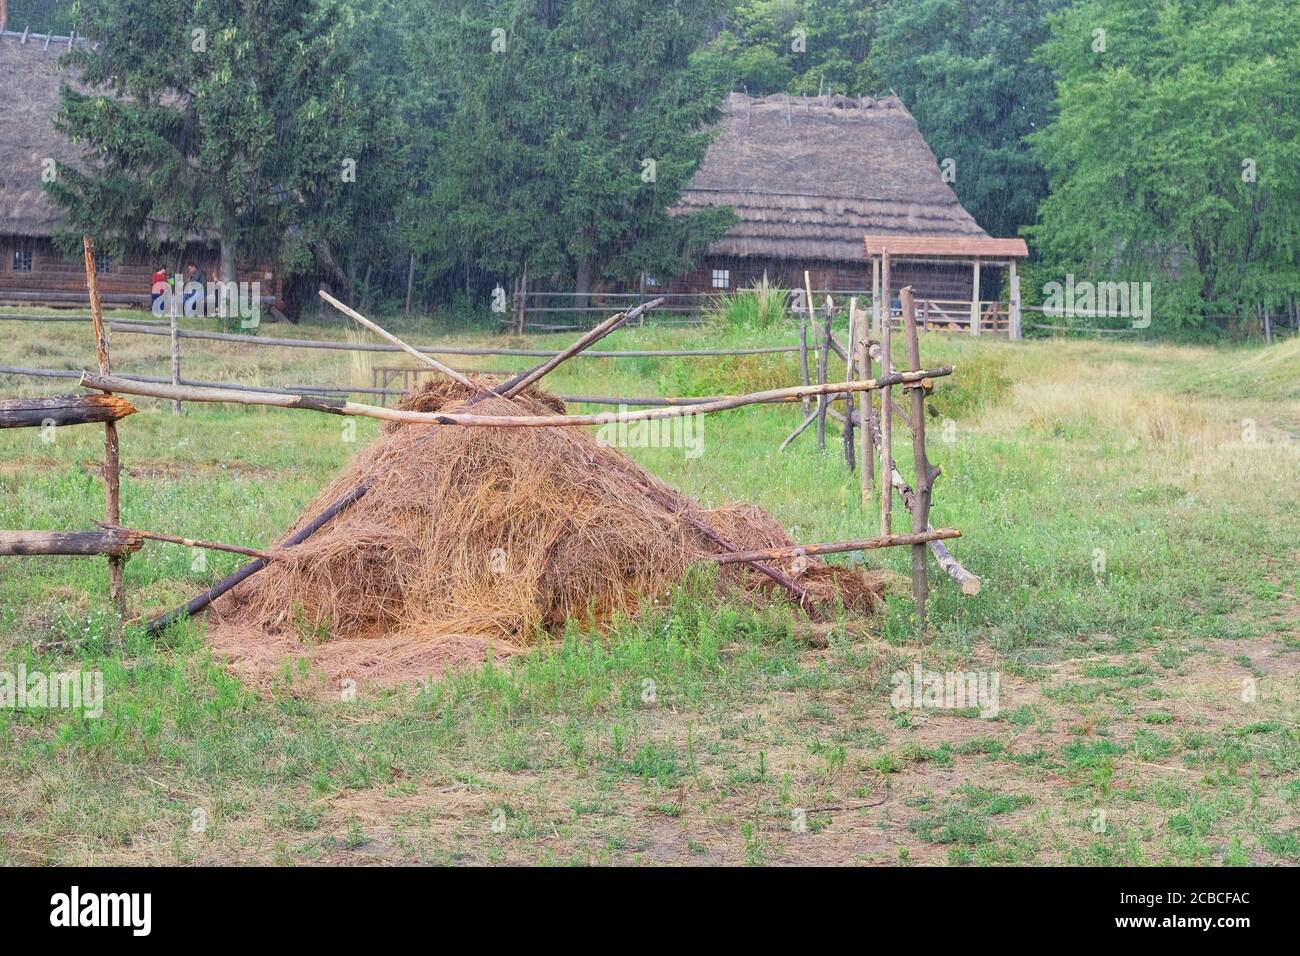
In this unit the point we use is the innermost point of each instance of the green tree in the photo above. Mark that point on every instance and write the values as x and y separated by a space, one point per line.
238 122
1174 157
560 133
965 70
798 46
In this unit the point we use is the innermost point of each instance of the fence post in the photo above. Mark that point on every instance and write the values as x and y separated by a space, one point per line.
924 476
886 438
1013 323
975 298
875 295
176 353
112 460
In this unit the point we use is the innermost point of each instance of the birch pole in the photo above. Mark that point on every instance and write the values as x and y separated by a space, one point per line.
112 460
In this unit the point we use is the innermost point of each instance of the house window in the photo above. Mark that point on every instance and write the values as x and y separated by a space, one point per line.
722 278
23 260
103 263
651 281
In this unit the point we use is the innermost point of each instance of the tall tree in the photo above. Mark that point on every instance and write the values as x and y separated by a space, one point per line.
564 131
235 120
798 46
1175 154
966 70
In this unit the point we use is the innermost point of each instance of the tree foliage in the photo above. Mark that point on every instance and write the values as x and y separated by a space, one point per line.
966 70
236 122
1174 156
561 133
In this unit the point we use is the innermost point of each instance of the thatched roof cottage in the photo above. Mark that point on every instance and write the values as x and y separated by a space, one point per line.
31 268
810 178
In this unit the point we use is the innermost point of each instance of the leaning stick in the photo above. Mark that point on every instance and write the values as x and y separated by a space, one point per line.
189 393
112 457
199 602
513 386
837 547
675 503
970 583
193 542
409 349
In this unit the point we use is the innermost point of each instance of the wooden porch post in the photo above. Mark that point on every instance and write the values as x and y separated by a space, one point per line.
885 299
975 298
875 296
1013 325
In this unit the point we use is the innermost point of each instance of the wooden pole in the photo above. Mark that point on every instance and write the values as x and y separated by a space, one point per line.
805 320
886 302
195 542
975 298
886 438
1013 281
112 460
174 329
867 475
920 516
518 383
823 362
970 583
675 505
409 350
334 406
199 602
849 449
875 295
115 543
60 410
837 547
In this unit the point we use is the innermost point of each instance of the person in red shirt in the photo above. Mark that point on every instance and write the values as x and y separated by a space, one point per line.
157 289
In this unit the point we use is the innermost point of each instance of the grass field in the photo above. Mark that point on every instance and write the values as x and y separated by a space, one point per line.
1131 509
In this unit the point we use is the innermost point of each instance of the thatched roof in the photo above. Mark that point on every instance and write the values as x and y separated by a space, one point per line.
30 75
810 176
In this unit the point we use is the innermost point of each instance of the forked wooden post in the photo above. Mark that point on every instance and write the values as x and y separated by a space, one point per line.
924 477
112 461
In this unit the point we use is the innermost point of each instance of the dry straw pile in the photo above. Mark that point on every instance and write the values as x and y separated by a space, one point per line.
483 540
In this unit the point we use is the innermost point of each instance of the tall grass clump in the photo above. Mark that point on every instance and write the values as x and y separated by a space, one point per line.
761 306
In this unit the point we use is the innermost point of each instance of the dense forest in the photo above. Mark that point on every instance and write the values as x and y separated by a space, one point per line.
454 143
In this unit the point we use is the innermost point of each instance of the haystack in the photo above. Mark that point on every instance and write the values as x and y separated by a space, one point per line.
478 541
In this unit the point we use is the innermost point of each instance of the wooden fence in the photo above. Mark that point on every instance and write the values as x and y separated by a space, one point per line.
117 542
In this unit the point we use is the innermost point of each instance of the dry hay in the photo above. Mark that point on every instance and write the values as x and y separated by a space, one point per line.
476 542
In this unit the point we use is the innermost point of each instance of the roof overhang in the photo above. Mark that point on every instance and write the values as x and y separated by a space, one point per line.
945 247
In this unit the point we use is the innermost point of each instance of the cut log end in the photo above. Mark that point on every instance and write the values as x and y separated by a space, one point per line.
971 586
60 410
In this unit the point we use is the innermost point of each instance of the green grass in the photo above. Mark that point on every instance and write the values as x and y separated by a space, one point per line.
1138 560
